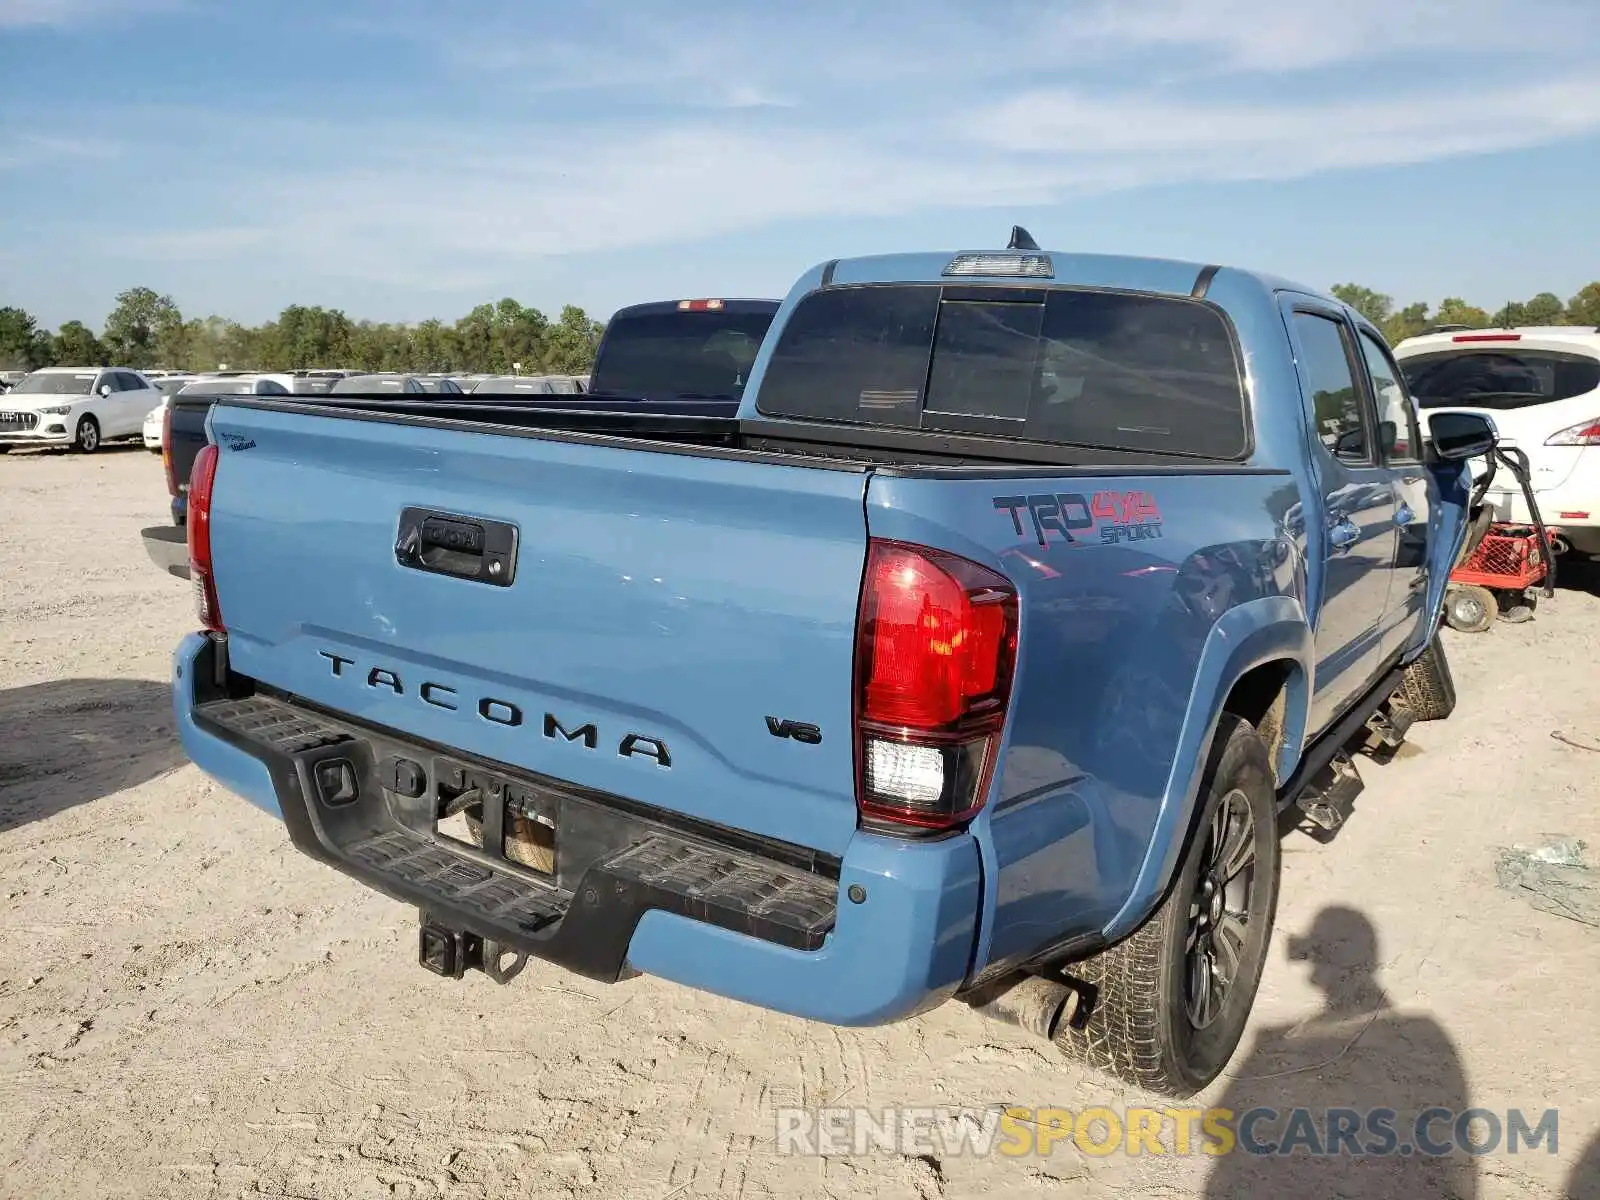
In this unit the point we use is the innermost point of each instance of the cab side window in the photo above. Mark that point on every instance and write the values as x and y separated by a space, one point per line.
1338 414
1398 438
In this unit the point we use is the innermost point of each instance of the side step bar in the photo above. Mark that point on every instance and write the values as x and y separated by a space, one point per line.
1386 729
1336 741
1328 799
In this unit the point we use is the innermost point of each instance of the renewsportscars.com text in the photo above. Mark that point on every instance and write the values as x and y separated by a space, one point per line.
1100 1130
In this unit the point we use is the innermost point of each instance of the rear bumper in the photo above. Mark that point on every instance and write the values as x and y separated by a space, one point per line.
168 548
1573 508
882 934
1573 497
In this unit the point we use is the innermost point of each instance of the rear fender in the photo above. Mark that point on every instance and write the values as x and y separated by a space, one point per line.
1264 630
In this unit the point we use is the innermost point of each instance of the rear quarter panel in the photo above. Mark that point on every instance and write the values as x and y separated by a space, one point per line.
1128 642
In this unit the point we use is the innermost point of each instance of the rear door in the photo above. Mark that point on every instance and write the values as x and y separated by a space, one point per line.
1358 539
1415 492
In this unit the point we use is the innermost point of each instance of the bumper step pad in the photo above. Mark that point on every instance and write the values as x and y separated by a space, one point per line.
633 864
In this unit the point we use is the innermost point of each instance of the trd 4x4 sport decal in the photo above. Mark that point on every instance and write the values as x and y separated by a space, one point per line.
1116 516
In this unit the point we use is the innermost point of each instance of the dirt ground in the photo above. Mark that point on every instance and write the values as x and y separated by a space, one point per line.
188 1007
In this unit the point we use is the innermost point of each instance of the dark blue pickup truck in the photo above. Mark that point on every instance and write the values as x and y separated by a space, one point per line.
976 655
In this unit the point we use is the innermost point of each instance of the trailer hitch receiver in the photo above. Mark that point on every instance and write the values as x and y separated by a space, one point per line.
451 952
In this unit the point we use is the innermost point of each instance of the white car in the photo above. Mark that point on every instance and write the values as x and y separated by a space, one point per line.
168 385
1541 387
153 420
78 407
237 385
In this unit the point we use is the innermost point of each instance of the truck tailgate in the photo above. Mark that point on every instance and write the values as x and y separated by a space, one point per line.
663 607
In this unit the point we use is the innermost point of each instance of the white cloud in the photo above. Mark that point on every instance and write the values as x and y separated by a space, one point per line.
598 193
62 14
1163 139
1012 110
528 194
28 149
1289 35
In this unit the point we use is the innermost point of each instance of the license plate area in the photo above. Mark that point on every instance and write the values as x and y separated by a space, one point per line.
500 818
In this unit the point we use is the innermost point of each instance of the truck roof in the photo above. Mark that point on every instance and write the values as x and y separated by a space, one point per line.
730 305
1170 276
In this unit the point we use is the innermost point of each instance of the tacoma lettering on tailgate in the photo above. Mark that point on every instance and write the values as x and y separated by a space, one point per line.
500 712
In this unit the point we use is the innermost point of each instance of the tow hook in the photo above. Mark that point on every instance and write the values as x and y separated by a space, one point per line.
451 952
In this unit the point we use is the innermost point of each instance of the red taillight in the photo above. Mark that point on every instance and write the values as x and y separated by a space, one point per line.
1487 337
166 450
201 480
936 644
1584 433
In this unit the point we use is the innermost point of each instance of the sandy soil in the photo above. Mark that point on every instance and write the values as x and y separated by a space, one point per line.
188 1007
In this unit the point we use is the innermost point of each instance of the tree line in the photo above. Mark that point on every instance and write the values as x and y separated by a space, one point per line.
1400 323
146 330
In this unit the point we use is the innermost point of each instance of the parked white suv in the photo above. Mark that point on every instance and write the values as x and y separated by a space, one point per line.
81 407
1541 386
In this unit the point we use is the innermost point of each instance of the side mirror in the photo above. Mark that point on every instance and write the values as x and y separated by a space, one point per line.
105 389
1350 442
1458 436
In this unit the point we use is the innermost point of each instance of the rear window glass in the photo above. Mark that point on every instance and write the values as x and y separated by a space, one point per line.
664 355
1499 378
1101 369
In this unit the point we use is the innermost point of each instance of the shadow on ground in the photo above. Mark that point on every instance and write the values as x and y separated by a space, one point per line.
20 451
1334 1104
1585 1181
1578 575
71 741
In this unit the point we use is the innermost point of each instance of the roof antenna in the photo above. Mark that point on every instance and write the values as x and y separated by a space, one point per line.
1021 239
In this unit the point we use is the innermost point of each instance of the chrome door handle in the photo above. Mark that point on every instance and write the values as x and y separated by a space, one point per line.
1343 535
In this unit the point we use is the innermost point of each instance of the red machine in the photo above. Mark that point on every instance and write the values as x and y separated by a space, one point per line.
1496 579
1500 562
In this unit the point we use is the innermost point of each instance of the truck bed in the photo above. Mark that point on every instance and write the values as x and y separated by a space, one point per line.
712 428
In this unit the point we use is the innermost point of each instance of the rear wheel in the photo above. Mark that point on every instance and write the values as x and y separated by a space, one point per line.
1470 609
1172 1000
1428 687
87 439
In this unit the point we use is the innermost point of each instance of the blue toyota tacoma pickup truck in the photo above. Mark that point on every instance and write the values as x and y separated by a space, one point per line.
977 655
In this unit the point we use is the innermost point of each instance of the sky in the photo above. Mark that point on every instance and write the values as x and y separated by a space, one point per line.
403 160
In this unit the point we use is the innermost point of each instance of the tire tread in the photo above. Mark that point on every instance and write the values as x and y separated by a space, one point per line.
1124 1035
1428 687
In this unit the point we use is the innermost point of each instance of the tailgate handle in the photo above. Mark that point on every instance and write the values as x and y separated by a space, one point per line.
450 544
